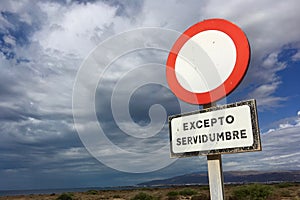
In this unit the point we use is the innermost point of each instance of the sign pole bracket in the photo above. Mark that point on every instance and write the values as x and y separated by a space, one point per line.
215 172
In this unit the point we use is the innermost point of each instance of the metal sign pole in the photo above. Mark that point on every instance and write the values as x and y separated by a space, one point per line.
215 172
215 177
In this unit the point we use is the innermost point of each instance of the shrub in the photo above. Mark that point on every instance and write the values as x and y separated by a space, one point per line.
116 196
143 196
65 196
286 193
200 197
147 189
173 194
172 197
252 192
205 187
92 192
187 192
284 185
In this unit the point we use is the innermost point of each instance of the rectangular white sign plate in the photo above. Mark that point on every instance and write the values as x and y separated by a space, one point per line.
231 128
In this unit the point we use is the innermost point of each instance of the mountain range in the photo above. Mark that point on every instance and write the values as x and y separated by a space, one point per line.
230 177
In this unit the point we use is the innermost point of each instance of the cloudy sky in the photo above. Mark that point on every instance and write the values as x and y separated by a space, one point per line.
84 99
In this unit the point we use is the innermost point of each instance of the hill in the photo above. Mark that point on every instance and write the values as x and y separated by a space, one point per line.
230 177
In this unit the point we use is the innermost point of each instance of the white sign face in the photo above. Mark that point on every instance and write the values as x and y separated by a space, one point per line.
202 64
228 128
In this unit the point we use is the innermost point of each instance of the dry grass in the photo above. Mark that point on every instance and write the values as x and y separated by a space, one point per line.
282 191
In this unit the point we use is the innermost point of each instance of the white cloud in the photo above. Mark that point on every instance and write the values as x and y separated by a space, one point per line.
73 153
171 14
291 122
264 95
76 28
296 57
282 126
9 40
265 22
280 151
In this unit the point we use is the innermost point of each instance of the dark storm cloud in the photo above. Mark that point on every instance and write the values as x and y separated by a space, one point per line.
126 8
148 95
37 133
140 102
8 114
9 86
20 30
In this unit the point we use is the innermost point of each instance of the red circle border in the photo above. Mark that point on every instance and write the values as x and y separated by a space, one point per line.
242 61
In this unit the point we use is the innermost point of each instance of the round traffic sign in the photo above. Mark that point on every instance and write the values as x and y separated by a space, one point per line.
208 61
